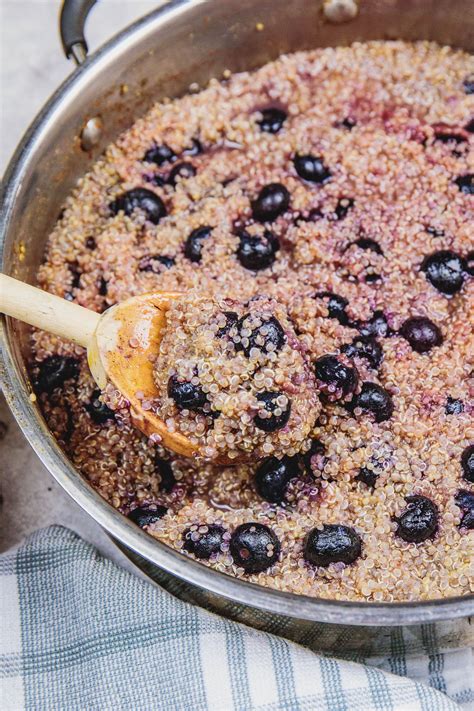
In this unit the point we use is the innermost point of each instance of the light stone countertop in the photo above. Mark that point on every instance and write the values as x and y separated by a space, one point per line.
32 66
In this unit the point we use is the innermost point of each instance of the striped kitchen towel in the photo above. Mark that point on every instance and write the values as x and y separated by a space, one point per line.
78 632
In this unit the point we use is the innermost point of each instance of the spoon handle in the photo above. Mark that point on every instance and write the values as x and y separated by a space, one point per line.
46 311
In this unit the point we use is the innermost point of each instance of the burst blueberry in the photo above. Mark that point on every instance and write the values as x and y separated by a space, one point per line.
377 326
165 472
254 547
99 412
307 458
367 476
160 155
278 415
334 543
272 477
453 406
419 521
181 171
366 348
465 501
141 199
465 183
155 263
204 543
54 371
336 306
467 463
266 337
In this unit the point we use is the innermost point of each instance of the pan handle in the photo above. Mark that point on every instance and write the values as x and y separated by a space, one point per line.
72 20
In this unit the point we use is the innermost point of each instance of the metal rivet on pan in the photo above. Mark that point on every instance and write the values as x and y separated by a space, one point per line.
340 10
91 133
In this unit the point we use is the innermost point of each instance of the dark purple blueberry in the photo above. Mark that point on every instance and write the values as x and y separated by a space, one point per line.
343 206
272 120
102 286
372 278
333 544
468 84
375 400
366 348
421 333
465 501
204 544
256 252
273 200
377 326
254 547
419 521
467 463
272 477
54 371
465 183
194 149
316 448
167 478
186 395
278 415
445 271
91 243
470 263
194 243
146 515
435 231
366 243
183 171
231 318
311 168
69 296
76 274
469 126
367 476
155 263
160 155
140 199
348 123
99 412
338 376
445 135
453 406
269 335
336 306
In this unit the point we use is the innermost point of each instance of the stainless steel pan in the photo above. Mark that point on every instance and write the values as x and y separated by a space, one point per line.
182 43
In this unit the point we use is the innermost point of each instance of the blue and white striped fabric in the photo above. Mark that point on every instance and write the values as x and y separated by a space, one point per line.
78 632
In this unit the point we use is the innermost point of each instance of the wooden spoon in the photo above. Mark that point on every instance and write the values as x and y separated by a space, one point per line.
119 344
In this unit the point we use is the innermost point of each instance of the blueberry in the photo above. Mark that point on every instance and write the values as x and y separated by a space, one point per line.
273 200
254 547
183 171
193 244
54 371
367 476
366 243
343 206
444 135
141 199
375 400
445 271
435 231
255 252
316 447
419 521
469 126
146 515
155 263
102 286
372 277
203 545
336 306
470 263
467 463
468 84
231 318
330 371
453 407
348 123
160 155
272 120
421 333
98 410
272 477
465 501
377 325
76 274
186 395
91 243
333 544
366 348
465 183
268 336
311 168
167 478
278 415
194 149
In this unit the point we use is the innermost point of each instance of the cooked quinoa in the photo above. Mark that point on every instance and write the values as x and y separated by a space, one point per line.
234 379
337 184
